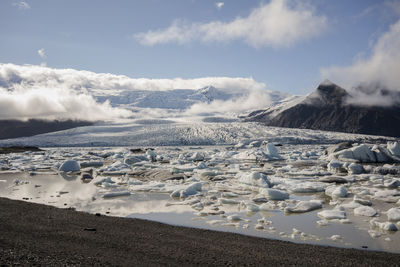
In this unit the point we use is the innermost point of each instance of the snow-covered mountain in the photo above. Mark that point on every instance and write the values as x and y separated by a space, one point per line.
179 99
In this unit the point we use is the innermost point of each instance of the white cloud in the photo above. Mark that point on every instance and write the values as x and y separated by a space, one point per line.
51 103
22 5
30 75
379 70
276 24
219 5
40 92
255 100
42 53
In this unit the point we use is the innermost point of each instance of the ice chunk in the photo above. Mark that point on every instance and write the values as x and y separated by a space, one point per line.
259 226
307 187
355 168
393 214
254 179
351 205
336 237
214 222
197 157
274 194
335 166
332 214
365 211
251 207
227 201
386 226
229 194
392 183
116 194
271 151
386 193
305 206
116 168
267 206
394 148
151 155
135 159
336 191
70 166
361 153
190 190
361 201
234 218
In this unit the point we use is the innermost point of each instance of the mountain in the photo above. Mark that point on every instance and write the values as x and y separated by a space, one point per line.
16 128
328 108
179 99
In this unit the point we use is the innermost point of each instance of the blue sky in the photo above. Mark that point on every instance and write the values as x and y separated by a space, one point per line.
113 37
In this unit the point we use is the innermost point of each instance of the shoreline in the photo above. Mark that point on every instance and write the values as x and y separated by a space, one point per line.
39 234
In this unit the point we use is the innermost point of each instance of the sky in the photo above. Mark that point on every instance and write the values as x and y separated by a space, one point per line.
289 45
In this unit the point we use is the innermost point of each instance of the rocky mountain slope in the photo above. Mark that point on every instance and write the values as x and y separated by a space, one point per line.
327 109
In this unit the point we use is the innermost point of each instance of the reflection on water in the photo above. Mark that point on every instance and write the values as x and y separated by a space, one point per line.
70 191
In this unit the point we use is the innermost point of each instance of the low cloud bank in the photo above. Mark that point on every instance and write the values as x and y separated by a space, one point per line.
254 100
28 75
40 92
51 104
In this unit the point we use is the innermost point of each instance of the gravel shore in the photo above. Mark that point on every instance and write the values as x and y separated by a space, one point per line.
38 234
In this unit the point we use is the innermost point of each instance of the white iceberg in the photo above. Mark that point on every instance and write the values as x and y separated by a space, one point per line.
254 179
365 211
332 214
70 166
393 214
274 194
305 206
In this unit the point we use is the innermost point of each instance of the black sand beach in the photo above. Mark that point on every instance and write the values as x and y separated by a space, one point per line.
38 234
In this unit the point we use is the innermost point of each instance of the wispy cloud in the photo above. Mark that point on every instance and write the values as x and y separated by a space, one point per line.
219 5
22 5
377 73
275 24
42 53
382 66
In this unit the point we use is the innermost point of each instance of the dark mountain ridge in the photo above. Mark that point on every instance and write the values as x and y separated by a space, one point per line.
327 109
17 128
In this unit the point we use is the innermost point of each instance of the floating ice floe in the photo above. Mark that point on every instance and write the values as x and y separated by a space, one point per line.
274 194
387 195
306 187
305 206
116 194
393 214
254 179
394 148
117 168
336 237
386 226
332 214
362 201
355 168
259 154
70 166
190 190
365 154
228 201
365 211
336 191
